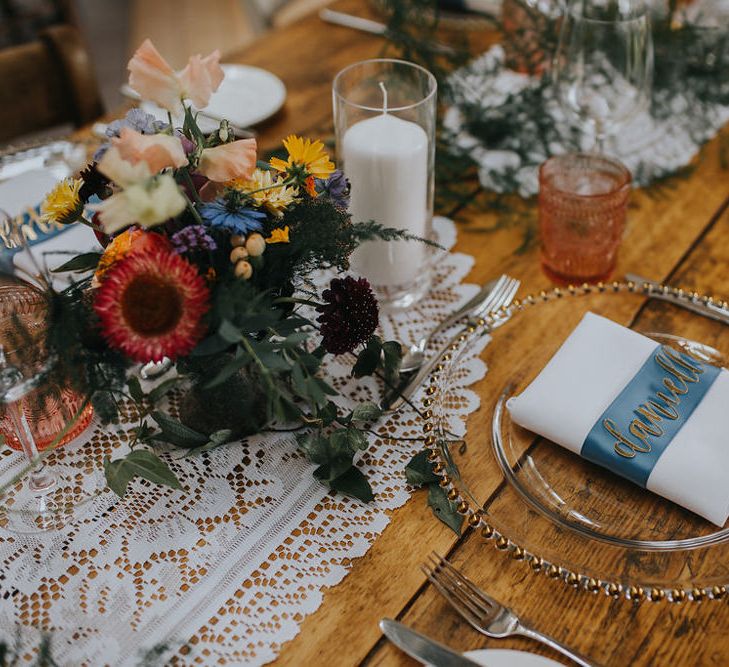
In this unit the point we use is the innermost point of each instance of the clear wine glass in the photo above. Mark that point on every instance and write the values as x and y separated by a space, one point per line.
603 67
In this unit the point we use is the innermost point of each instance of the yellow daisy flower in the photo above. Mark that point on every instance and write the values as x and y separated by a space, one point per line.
279 235
306 155
63 204
264 193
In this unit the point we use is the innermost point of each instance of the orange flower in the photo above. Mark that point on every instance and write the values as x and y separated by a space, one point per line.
130 240
228 161
159 151
310 185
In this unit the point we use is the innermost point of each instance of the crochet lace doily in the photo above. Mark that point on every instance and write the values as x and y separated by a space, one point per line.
224 571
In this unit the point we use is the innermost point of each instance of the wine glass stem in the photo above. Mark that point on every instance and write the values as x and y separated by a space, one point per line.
39 479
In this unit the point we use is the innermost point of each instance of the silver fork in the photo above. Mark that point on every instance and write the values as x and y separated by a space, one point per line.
501 296
482 612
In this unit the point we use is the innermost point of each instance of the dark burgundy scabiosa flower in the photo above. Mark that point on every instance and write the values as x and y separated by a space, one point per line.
349 315
94 183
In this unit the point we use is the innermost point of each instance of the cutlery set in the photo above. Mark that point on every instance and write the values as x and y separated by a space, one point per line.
481 612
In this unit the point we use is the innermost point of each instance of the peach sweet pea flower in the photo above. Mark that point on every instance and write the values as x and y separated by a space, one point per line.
228 161
201 78
153 78
157 150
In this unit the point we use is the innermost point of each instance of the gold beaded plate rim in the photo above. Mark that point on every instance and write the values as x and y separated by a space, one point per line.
478 519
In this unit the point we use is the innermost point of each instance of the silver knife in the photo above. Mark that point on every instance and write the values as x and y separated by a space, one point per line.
710 310
373 27
423 648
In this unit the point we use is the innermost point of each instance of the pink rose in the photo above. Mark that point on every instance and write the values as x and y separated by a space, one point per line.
201 78
153 78
227 161
157 150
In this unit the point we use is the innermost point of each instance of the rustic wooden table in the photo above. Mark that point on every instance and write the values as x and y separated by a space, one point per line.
680 237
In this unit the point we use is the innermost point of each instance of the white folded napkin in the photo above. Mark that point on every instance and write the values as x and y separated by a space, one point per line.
20 196
585 376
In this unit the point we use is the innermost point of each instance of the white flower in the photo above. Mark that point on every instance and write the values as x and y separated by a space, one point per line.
121 172
147 204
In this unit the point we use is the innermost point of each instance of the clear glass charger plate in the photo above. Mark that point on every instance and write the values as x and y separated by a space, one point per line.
539 503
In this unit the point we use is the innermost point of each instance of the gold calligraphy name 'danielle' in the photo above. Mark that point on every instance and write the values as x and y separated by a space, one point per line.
681 375
17 231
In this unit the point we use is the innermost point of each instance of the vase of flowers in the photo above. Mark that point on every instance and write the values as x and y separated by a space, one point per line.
212 259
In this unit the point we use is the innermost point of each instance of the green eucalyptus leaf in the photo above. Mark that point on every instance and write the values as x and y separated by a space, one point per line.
368 359
85 262
366 412
328 413
325 387
339 441
138 463
211 345
229 332
311 362
353 483
117 475
315 446
357 440
135 389
444 509
419 470
392 358
163 389
176 432
295 338
228 371
299 381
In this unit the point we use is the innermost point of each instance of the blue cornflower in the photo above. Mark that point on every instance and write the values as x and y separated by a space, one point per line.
191 238
234 218
336 187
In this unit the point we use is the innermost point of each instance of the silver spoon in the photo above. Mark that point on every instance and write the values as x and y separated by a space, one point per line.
414 357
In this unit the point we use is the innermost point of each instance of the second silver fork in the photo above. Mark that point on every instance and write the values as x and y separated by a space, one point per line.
482 612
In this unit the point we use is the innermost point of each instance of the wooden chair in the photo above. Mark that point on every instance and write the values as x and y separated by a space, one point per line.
47 83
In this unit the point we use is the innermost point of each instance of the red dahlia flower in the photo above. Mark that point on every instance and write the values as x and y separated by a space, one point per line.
151 304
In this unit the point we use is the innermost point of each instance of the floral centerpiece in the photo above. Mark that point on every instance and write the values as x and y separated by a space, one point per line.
208 258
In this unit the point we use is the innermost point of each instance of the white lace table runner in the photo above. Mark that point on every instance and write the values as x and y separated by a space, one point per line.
651 148
224 572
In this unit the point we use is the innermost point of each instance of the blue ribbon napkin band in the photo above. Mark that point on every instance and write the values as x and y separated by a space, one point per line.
637 427
31 227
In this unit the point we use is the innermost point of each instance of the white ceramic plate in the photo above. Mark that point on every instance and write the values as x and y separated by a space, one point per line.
247 96
500 657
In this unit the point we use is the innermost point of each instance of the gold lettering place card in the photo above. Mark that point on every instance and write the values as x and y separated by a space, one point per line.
650 413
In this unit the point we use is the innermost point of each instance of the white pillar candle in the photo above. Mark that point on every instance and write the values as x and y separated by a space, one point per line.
386 161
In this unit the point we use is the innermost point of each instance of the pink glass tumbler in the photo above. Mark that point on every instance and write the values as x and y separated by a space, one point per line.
583 201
